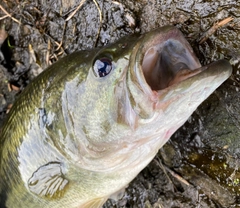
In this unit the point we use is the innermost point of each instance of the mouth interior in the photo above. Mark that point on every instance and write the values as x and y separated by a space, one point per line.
168 63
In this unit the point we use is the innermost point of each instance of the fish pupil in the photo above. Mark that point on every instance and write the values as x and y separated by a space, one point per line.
102 67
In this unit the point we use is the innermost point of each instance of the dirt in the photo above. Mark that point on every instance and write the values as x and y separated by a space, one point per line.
199 166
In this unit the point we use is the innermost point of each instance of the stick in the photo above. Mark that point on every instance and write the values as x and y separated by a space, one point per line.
8 15
213 29
175 175
75 11
100 19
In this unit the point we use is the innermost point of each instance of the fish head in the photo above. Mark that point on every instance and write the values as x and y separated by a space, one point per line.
137 93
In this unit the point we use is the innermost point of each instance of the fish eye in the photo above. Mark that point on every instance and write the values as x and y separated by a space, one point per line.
102 67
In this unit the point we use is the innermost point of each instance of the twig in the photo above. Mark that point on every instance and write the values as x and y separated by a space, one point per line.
1 18
100 16
61 42
3 34
213 29
48 52
164 170
75 11
175 175
118 4
8 15
32 57
100 19
59 46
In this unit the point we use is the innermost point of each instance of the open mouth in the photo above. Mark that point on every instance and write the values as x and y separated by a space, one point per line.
168 59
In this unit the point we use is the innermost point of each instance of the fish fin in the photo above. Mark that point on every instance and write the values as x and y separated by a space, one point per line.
48 181
118 195
95 203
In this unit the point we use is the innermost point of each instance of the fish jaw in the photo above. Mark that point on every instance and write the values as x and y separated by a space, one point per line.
165 107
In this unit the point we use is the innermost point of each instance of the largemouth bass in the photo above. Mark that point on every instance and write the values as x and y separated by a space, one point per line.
87 125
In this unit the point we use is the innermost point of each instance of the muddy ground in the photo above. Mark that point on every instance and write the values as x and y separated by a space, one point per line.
199 166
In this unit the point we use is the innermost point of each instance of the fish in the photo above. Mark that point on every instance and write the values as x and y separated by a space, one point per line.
82 130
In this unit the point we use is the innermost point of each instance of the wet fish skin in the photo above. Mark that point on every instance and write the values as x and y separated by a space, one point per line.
73 139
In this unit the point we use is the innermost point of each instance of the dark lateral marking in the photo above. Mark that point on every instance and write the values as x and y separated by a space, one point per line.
42 117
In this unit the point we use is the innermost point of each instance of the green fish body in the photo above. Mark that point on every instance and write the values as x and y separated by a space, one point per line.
87 125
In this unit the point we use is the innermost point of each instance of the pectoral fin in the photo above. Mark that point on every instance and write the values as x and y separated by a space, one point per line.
48 181
95 203
118 195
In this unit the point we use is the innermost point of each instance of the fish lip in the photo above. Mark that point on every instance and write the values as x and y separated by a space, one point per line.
194 73
219 71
